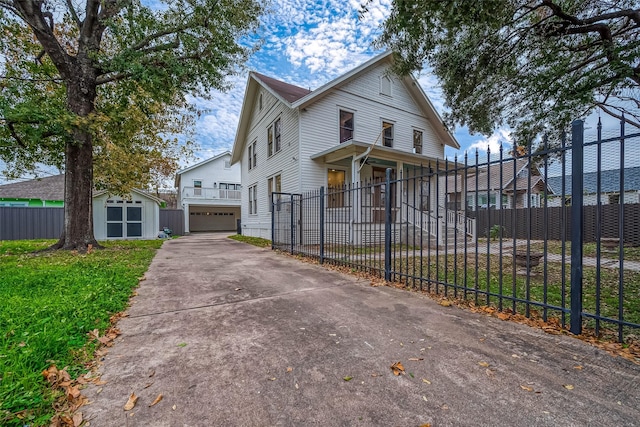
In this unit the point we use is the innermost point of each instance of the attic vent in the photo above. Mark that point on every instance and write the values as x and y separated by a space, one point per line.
385 85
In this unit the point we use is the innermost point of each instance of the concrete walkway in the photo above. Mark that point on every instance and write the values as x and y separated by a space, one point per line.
234 335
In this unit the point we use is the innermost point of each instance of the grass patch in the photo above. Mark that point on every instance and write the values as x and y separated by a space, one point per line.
495 284
50 300
631 253
255 241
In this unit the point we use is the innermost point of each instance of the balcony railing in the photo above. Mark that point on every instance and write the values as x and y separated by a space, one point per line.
210 193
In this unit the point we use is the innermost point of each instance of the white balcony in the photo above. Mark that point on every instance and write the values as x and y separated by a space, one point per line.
203 193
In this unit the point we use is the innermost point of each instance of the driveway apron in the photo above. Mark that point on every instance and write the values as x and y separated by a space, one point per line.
234 335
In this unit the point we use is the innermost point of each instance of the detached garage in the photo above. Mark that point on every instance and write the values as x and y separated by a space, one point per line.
213 218
134 217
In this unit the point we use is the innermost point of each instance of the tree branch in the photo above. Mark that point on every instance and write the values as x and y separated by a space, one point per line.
612 113
74 15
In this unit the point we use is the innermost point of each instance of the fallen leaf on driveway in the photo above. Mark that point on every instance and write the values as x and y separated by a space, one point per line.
131 402
157 399
289 369
397 368
347 378
445 303
416 359
526 388
426 381
272 378
77 419
483 364
152 372
568 386
579 367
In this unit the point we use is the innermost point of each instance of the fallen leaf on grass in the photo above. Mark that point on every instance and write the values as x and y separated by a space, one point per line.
131 402
347 378
568 386
397 368
156 400
526 388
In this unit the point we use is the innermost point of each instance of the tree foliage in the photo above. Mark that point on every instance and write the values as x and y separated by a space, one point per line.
104 83
531 65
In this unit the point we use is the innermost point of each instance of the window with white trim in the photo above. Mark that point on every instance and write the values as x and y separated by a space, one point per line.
197 187
346 126
274 136
387 134
417 141
253 199
253 155
274 185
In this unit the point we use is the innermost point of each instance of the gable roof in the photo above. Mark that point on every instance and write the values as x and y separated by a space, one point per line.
296 97
285 91
609 181
493 179
158 200
197 165
48 188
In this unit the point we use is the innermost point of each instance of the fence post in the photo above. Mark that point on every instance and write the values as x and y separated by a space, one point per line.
577 219
292 223
387 226
273 223
321 225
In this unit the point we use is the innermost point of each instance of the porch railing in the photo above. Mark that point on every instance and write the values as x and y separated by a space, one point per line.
211 193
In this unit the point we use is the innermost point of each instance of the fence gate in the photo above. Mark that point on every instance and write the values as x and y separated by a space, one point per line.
286 221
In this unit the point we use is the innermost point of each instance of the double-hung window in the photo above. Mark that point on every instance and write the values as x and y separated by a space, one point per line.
274 185
387 134
253 155
253 199
417 141
346 126
274 137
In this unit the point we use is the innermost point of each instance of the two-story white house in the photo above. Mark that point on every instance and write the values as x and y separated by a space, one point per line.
290 139
209 193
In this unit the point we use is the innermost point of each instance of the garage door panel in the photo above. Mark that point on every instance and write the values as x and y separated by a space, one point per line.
203 218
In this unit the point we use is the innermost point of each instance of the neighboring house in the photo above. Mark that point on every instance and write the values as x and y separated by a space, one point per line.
114 217
209 193
609 187
40 192
293 140
505 184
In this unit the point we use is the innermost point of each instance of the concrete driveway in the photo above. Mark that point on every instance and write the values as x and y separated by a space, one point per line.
234 335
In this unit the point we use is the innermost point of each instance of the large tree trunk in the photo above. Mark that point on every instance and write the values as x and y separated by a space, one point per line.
78 182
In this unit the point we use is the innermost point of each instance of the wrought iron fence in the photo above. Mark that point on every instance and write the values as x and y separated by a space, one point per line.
550 233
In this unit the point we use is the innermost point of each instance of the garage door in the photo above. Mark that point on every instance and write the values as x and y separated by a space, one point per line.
202 218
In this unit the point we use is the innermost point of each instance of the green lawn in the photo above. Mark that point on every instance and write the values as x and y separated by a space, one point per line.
50 300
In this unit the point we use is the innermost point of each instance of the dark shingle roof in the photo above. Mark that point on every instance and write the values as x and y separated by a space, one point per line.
289 92
609 181
48 188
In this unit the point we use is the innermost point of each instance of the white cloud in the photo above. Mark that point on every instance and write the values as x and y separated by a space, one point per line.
493 142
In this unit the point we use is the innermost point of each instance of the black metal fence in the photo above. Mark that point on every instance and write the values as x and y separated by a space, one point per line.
493 233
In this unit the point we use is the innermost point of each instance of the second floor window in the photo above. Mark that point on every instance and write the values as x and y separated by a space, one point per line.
346 126
387 134
197 188
417 141
274 138
253 200
253 156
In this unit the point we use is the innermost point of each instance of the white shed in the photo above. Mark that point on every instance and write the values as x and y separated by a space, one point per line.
136 217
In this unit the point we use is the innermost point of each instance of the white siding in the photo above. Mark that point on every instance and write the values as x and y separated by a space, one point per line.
284 162
150 214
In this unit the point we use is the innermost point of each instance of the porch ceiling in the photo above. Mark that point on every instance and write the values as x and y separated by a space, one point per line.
348 149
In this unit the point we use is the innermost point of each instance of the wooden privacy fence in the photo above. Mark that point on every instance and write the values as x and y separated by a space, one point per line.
21 223
554 223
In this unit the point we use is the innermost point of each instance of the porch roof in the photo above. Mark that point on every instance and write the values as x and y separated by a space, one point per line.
354 148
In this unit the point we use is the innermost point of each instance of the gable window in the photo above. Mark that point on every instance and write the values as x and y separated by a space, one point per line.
273 138
253 156
253 199
387 131
417 141
385 85
346 126
197 188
